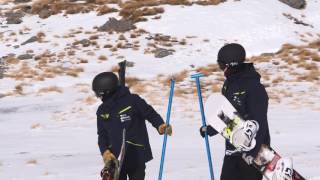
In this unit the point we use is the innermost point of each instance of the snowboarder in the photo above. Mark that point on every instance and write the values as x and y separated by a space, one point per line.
122 110
243 89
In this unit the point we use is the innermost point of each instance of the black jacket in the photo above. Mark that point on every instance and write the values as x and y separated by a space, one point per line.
243 89
129 111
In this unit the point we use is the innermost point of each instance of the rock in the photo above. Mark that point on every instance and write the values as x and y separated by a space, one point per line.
16 46
14 17
21 1
160 52
45 13
30 40
2 67
25 56
118 26
83 42
26 8
297 4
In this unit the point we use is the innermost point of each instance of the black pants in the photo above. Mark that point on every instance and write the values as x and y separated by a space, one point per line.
133 165
134 173
235 168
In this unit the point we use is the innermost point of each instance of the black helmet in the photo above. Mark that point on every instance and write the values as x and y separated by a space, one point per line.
105 83
231 55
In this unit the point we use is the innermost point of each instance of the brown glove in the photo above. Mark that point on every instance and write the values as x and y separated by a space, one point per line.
164 127
108 156
111 166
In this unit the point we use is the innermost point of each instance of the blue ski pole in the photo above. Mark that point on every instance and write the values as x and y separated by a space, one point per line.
165 134
197 78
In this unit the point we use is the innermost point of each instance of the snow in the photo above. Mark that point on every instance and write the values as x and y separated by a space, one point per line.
53 135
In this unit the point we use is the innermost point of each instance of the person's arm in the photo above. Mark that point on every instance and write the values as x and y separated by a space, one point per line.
103 138
147 112
257 107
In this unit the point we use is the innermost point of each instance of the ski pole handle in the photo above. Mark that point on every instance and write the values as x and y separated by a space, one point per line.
197 78
164 145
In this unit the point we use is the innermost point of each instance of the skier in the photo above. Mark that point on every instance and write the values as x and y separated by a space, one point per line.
243 89
122 110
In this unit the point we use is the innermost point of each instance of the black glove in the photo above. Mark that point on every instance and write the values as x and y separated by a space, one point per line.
210 131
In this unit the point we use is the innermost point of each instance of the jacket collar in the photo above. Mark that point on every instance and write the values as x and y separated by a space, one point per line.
245 70
110 101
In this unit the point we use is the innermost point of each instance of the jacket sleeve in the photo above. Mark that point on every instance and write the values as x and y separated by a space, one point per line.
103 138
257 107
147 112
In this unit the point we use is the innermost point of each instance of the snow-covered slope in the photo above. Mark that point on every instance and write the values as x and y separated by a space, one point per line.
47 118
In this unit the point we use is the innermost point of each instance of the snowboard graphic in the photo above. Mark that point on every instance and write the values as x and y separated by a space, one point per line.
223 117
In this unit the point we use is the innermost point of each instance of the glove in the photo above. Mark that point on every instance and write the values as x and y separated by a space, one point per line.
108 156
209 129
165 128
110 170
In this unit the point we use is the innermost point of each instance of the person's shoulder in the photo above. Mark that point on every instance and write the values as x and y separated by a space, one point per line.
135 97
100 109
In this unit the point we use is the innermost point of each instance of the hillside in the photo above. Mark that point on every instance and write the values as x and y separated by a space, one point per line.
51 50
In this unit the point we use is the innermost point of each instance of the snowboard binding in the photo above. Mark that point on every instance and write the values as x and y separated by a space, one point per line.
240 133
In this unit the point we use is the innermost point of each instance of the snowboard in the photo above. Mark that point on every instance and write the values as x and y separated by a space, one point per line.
223 117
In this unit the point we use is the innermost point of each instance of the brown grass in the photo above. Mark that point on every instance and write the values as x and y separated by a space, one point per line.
315 44
139 88
103 58
208 70
179 77
309 66
91 53
209 2
105 10
50 89
35 126
19 89
136 10
33 162
132 81
83 61
122 37
114 49
94 37
90 100
115 69
74 72
11 60
181 92
215 87
315 57
313 75
277 80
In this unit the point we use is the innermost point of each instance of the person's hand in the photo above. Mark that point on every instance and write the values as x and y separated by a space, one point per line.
108 156
165 128
110 170
209 129
111 166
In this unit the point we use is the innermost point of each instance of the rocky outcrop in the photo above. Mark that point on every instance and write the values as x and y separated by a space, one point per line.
14 17
160 52
117 25
297 4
